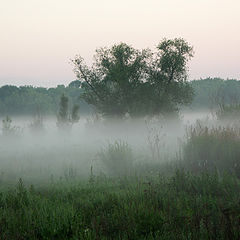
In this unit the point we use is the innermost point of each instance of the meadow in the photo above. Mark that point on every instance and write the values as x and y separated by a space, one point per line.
147 179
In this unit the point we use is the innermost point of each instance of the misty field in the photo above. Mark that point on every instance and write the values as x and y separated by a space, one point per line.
109 130
142 179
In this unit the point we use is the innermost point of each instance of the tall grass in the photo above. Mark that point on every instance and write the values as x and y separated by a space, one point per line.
181 207
195 198
228 112
212 148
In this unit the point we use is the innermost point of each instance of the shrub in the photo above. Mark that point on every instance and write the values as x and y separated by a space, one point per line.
216 148
64 119
8 129
117 158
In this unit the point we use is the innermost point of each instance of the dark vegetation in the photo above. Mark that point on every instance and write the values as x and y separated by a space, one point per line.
193 196
124 80
211 92
179 207
28 100
64 118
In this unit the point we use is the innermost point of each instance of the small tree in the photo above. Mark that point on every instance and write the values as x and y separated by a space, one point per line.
7 128
63 111
64 119
117 158
74 84
75 114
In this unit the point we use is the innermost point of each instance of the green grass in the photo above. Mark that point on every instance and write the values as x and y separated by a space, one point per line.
180 207
196 197
212 149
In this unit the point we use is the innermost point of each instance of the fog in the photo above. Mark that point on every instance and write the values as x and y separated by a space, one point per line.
51 154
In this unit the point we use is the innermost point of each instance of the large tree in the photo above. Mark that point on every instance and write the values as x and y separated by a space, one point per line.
125 80
168 88
111 82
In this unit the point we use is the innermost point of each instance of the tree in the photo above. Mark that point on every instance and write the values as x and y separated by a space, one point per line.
172 59
63 111
74 84
75 114
64 119
7 129
125 80
111 82
167 75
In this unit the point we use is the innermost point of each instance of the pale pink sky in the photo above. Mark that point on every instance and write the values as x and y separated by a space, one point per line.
38 37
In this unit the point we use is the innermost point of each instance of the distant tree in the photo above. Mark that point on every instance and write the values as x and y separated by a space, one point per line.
64 119
75 114
7 126
63 111
7 129
211 92
75 84
124 80
24 100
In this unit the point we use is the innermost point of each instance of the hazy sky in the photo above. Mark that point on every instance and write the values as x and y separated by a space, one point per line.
38 37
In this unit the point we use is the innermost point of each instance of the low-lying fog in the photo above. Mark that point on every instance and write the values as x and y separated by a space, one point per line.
41 156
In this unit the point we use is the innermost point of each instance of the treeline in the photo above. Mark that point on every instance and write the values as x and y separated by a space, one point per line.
211 92
28 99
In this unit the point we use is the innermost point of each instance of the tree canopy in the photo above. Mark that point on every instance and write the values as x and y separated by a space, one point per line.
123 80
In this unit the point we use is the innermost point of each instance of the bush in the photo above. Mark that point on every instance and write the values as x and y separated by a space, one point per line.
8 129
64 119
216 148
117 158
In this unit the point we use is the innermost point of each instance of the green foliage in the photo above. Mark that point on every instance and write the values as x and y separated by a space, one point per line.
25 100
124 80
212 149
159 204
181 207
75 84
111 84
63 110
211 92
173 57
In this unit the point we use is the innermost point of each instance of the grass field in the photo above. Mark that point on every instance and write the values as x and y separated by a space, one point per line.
178 207
196 195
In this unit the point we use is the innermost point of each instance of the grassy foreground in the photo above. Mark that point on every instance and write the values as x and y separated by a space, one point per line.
195 196
178 207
